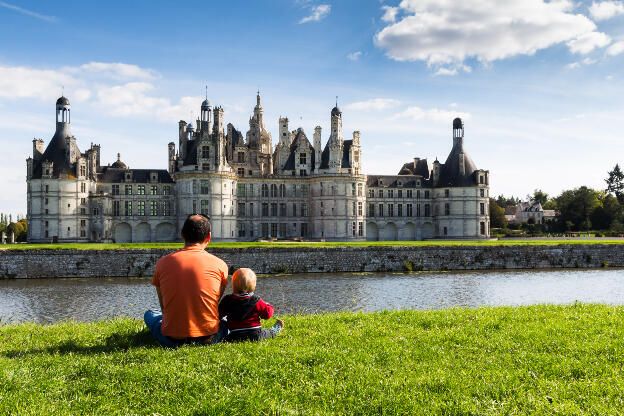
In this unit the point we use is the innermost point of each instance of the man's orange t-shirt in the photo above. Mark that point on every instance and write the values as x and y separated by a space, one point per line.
191 282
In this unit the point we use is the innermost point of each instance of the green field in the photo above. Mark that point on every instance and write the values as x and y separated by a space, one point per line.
121 246
537 360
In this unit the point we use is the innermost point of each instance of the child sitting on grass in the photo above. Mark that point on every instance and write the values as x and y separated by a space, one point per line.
244 310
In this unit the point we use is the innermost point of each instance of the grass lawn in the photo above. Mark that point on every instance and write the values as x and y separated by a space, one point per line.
118 246
565 360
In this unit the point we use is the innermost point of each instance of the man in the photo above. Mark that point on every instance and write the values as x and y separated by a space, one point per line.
189 284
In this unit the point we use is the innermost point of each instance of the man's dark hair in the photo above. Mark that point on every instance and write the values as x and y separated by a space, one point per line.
196 228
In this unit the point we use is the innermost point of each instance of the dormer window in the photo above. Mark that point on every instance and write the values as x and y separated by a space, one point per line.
205 153
303 159
128 176
154 177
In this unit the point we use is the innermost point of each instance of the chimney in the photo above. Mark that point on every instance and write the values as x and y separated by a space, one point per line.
37 149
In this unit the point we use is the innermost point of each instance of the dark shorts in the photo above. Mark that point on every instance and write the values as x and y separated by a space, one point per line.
255 334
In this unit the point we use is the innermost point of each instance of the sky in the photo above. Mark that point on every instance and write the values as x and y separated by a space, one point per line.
538 83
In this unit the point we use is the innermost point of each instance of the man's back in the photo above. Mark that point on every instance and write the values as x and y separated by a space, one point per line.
191 282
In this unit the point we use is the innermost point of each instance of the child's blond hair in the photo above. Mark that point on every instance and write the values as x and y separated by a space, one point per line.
243 281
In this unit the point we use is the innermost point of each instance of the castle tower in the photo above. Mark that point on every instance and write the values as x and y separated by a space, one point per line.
458 132
182 138
171 157
317 148
206 117
335 139
63 117
355 154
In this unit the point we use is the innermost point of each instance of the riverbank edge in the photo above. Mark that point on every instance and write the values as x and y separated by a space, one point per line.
540 359
29 264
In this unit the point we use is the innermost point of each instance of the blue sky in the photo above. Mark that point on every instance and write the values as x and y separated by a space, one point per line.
538 83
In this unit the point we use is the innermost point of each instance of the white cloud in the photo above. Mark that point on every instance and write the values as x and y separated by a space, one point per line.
587 42
606 9
117 70
616 48
433 114
374 104
390 14
442 32
452 70
354 56
317 13
23 82
51 19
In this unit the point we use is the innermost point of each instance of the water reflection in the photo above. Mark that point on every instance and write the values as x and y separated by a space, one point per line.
49 300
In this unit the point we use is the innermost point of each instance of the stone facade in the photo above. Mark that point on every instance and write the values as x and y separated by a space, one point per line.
129 263
250 190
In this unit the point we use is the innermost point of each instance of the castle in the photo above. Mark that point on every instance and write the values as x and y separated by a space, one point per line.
249 189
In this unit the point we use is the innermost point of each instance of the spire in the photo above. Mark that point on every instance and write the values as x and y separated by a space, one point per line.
206 92
118 157
258 98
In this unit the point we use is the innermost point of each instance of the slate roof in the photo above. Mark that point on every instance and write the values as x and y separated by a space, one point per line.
109 174
300 141
422 168
449 171
392 181
56 153
345 163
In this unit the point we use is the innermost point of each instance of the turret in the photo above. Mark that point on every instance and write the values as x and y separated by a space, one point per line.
37 149
171 156
63 117
182 138
284 135
356 153
206 117
458 132
317 148
218 121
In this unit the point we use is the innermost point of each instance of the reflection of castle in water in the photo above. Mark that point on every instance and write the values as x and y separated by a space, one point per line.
249 189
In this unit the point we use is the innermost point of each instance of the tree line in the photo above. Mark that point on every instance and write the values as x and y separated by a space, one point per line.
19 227
578 209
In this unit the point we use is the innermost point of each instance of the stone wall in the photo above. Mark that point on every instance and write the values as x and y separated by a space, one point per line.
121 263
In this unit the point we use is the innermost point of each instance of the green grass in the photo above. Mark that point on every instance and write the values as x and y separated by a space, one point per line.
120 246
537 360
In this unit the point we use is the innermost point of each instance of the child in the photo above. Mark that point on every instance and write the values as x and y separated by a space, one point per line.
244 310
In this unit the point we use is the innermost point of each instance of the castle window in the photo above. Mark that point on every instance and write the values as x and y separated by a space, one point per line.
251 214
359 212
116 205
304 230
418 210
115 189
251 190
204 207
482 228
371 193
241 171
241 189
447 209
274 230
274 209
46 211
83 187
166 208
481 181
141 189
482 192
153 208
141 208
241 229
154 177
265 190
205 152
360 228
410 193
241 157
83 201
390 193
128 189
304 210
83 211
46 201
418 194
371 210
445 231
128 208
265 209
360 189
427 210
241 209
304 190
353 189
46 233
128 176
282 210
83 170
294 210
204 187
46 189
302 172
400 210
96 211
482 208
381 210
282 191
303 158
166 190
46 223
153 190
353 228
391 210
426 194
380 193
47 172
273 190
409 210
446 193
400 193
354 208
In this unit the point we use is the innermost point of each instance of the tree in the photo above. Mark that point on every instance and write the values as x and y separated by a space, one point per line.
576 206
497 215
615 183
540 196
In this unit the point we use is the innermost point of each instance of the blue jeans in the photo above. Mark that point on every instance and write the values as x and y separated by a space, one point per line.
153 321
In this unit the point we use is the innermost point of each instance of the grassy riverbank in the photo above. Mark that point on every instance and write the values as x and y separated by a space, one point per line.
529 360
243 244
